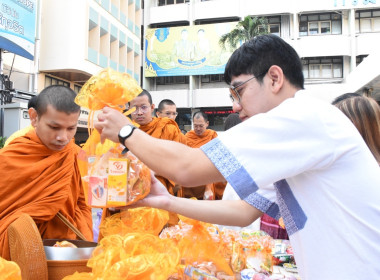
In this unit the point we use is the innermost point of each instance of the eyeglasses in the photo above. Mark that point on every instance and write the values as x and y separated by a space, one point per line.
234 94
143 109
169 113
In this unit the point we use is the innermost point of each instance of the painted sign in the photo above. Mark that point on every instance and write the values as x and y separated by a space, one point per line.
18 26
186 50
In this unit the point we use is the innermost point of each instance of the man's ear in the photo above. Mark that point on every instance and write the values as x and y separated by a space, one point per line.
33 116
276 77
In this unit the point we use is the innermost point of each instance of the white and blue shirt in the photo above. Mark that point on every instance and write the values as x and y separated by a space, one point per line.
305 161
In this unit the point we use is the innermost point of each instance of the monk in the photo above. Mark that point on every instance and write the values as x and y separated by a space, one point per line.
39 171
196 138
167 108
161 128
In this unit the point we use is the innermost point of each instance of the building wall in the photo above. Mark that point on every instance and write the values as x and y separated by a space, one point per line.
347 45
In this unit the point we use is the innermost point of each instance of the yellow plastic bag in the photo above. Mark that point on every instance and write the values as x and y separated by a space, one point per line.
9 270
142 219
134 256
108 88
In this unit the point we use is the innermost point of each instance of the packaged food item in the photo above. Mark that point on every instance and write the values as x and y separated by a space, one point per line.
114 179
98 191
117 181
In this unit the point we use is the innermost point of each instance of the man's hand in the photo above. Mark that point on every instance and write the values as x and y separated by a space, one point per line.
158 197
109 123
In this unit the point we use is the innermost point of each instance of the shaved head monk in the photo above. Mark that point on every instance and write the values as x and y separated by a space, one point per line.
39 171
161 128
167 108
196 138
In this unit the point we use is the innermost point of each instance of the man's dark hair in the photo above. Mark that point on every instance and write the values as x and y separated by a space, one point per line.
257 55
60 97
199 114
231 120
344 96
32 102
164 103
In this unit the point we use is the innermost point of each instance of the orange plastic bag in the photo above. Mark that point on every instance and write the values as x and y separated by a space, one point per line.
9 270
142 219
108 88
134 256
197 245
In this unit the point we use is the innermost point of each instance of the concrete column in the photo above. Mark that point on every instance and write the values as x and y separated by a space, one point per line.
352 39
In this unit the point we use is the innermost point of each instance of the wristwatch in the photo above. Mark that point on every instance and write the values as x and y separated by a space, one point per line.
125 132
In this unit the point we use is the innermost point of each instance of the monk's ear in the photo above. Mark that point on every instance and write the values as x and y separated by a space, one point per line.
33 116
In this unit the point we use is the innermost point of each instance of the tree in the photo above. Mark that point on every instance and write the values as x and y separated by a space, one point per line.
245 30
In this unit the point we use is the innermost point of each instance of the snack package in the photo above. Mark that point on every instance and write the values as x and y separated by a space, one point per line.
115 180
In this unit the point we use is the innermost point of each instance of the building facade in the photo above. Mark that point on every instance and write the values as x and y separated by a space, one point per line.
332 37
75 39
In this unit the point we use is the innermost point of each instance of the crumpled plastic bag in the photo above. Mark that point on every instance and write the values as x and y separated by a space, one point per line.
108 88
142 219
9 270
196 244
134 256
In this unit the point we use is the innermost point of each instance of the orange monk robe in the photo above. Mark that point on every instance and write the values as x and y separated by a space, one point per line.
164 128
195 141
40 182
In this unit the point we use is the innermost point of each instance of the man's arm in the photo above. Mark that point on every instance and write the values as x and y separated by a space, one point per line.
223 212
178 162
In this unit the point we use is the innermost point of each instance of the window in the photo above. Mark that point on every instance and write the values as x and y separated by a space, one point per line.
171 2
77 88
320 24
212 78
322 67
360 58
274 25
172 80
54 81
367 21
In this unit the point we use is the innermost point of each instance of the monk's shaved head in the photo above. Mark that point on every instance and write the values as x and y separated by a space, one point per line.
200 114
59 97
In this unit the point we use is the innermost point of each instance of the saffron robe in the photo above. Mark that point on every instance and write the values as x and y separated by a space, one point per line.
195 141
40 182
164 128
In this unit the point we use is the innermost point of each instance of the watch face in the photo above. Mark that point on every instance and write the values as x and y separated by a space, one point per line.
125 130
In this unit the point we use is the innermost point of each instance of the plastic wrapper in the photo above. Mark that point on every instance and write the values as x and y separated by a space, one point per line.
134 256
142 219
110 179
9 270
108 88
197 244
115 179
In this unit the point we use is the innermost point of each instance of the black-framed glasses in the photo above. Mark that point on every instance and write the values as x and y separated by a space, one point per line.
234 94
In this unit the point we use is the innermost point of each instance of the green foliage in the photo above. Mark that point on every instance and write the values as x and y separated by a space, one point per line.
2 141
245 30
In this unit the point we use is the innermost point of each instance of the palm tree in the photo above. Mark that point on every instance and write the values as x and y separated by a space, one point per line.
245 30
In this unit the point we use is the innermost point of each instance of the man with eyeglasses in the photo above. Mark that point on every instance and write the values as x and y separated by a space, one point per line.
293 156
167 108
161 128
196 138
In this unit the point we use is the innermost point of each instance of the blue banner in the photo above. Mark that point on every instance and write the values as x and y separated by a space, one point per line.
18 26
